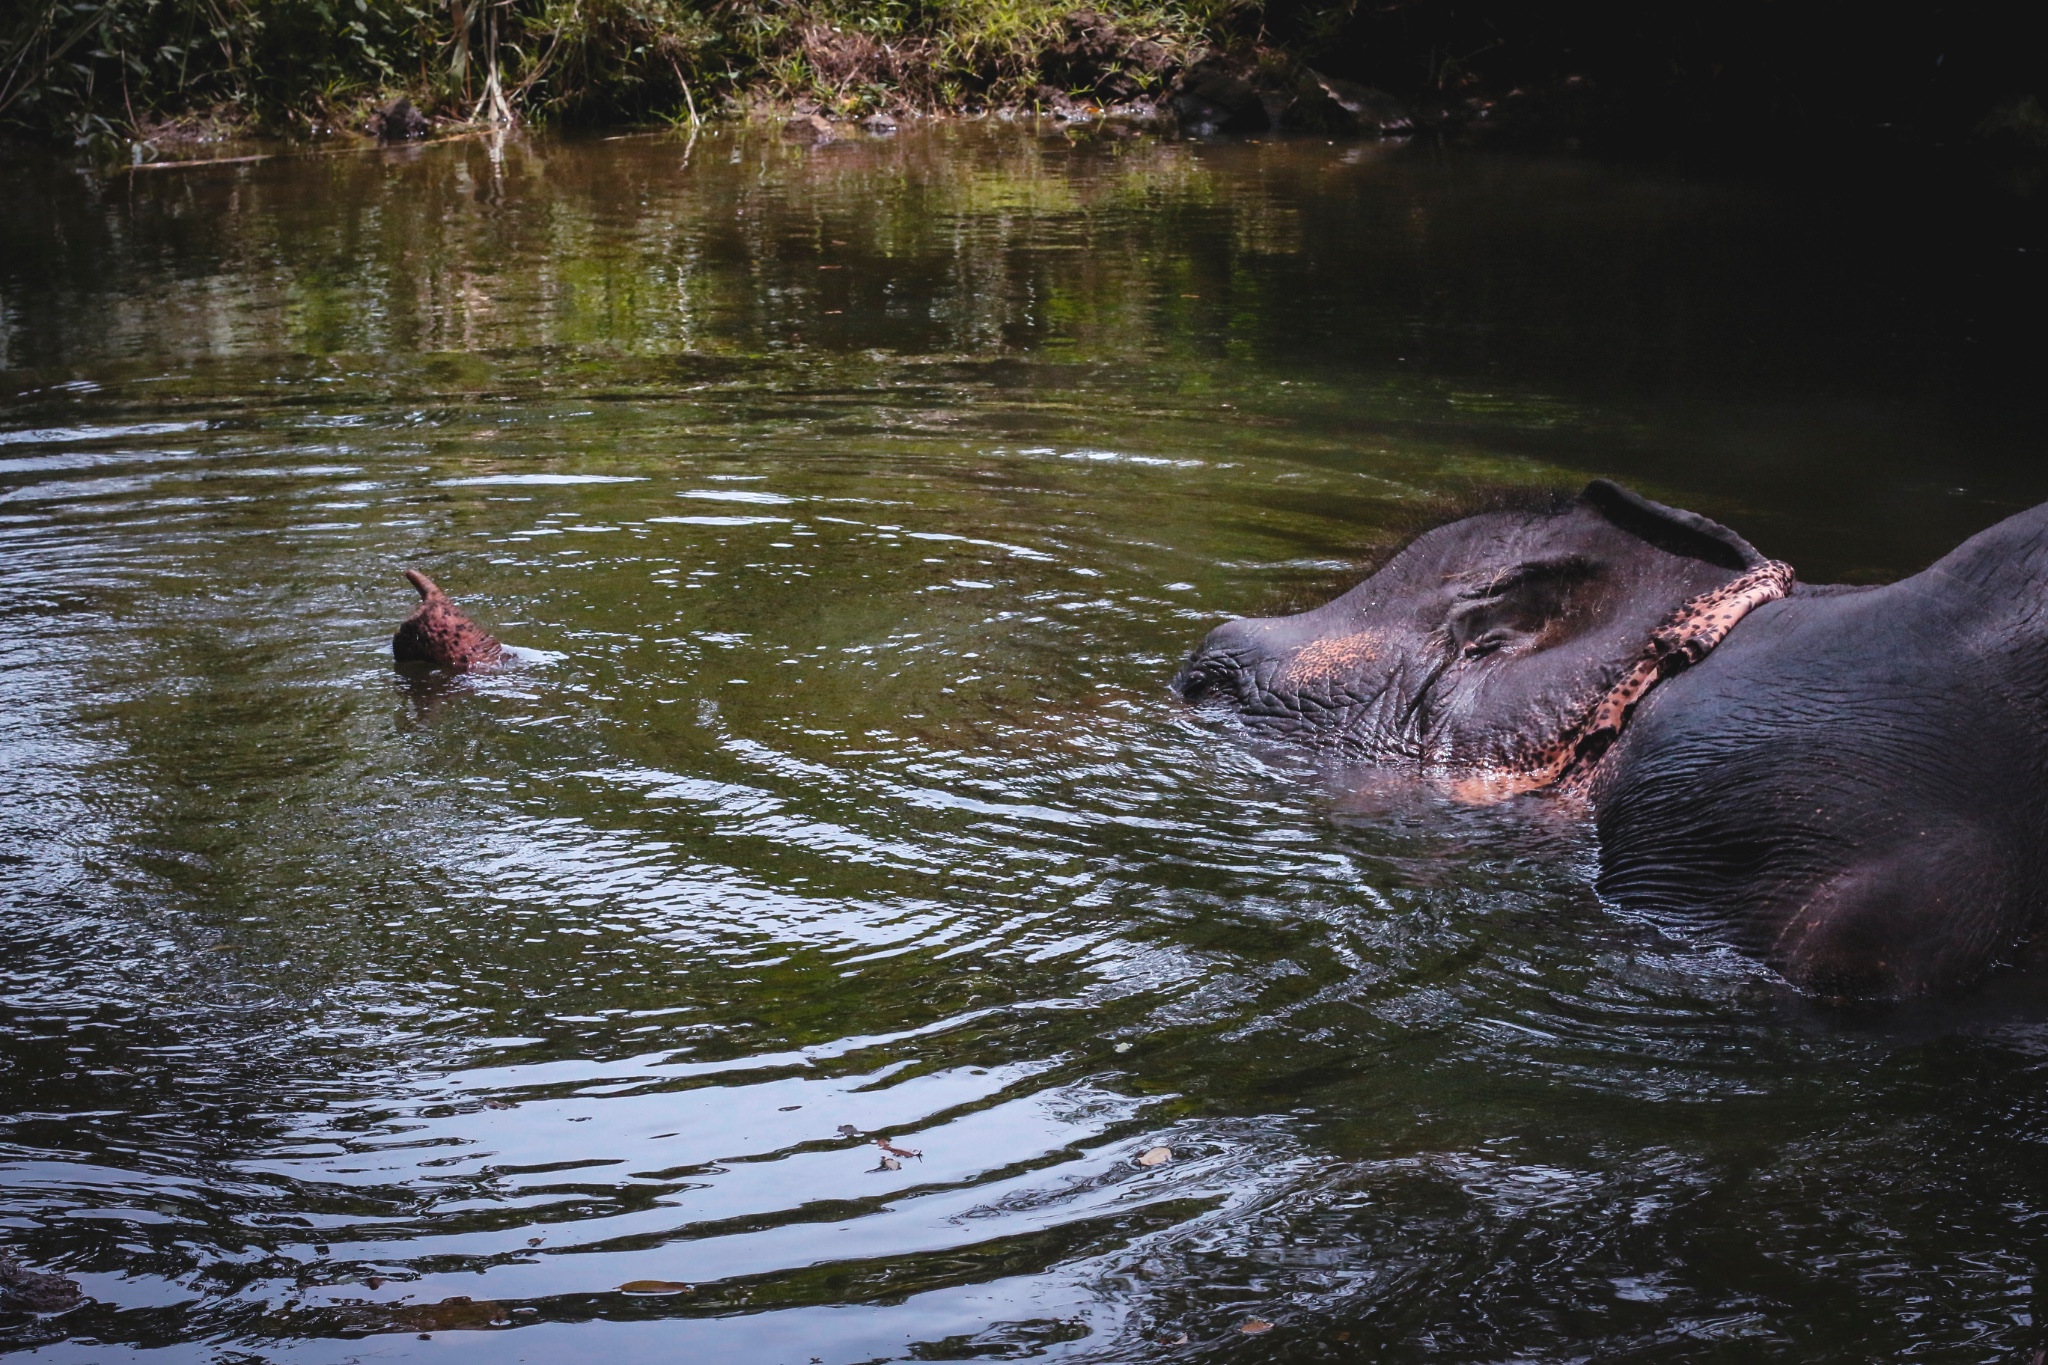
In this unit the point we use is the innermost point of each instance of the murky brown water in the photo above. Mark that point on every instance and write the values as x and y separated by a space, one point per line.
851 506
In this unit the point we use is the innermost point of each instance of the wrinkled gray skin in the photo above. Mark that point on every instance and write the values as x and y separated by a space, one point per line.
1854 784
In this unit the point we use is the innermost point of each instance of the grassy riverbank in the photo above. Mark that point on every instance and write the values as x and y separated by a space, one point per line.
120 69
1754 76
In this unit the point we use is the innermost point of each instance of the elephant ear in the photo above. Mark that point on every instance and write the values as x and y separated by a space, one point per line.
1603 575
1671 529
1548 648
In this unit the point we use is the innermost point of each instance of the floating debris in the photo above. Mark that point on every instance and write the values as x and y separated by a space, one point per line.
848 1130
1157 1156
906 1152
651 1287
889 1163
1257 1327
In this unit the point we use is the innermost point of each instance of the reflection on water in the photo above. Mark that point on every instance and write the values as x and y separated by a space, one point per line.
849 507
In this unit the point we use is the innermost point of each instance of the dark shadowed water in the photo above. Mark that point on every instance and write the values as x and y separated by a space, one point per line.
851 506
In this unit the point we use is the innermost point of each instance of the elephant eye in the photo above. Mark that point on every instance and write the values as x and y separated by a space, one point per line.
1536 604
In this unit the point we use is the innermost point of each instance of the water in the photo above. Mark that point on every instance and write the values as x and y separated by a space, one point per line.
850 507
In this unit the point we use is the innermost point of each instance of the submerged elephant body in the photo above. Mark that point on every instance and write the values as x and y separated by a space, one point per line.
1852 781
1856 781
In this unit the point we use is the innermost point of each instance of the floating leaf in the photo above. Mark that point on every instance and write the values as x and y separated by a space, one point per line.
883 1143
655 1287
1256 1327
1158 1156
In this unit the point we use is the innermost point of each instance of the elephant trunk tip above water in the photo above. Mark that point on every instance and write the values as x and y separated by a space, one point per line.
1852 782
439 635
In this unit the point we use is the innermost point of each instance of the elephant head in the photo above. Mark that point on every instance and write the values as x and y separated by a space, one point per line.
1503 650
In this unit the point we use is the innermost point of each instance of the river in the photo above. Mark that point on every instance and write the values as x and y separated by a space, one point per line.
849 507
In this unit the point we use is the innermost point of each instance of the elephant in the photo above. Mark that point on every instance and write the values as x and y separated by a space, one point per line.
439 635
1850 782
